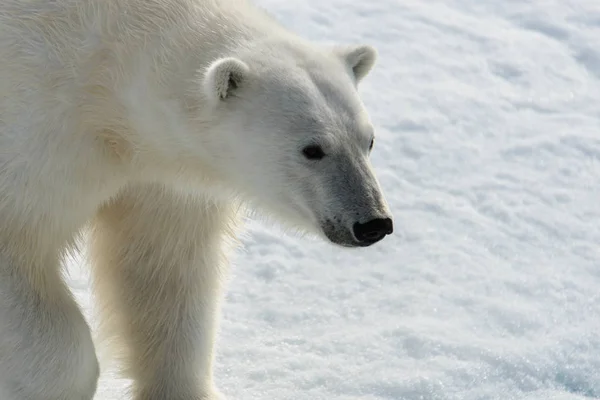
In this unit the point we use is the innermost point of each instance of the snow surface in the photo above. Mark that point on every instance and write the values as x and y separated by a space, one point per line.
488 148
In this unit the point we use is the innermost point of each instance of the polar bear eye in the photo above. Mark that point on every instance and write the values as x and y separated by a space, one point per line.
372 143
313 152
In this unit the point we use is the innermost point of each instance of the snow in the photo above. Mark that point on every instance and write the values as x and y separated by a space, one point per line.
488 149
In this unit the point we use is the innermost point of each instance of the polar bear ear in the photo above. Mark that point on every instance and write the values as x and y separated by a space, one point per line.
360 59
223 77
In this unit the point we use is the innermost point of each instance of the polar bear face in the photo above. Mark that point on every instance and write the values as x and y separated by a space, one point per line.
297 138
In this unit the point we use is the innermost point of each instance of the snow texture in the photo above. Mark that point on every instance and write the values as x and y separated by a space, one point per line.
488 148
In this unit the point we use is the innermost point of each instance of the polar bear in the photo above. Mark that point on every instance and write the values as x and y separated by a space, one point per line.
150 124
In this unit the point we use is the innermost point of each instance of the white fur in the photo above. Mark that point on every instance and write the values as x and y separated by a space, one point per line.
224 76
152 121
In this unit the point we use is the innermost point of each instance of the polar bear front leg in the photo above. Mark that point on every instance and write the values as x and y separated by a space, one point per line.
158 268
46 349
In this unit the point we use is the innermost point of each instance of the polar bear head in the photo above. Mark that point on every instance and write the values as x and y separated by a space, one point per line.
291 133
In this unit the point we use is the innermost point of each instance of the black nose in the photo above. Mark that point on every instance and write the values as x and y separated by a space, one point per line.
373 231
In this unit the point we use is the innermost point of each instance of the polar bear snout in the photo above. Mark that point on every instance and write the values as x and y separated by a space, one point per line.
358 234
372 231
355 212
